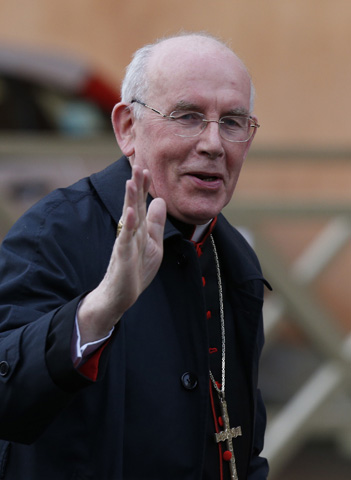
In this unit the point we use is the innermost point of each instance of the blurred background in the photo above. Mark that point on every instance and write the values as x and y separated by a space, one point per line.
61 64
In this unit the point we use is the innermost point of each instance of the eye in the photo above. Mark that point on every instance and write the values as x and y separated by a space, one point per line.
234 122
187 117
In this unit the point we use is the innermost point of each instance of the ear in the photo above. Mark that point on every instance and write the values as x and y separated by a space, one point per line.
123 121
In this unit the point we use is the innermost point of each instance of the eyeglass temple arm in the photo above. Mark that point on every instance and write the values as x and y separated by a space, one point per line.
150 108
254 124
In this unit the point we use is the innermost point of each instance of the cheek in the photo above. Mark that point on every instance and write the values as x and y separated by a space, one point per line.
235 161
234 168
163 180
165 167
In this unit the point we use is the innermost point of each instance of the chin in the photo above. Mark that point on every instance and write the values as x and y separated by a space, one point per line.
198 218
196 213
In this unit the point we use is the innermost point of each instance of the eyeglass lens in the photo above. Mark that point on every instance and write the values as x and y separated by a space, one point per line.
232 128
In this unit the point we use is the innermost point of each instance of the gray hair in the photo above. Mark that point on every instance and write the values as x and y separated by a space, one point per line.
135 84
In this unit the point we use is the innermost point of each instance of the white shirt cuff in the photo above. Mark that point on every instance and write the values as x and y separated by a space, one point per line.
80 352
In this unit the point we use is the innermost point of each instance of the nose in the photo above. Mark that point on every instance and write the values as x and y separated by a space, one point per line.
210 140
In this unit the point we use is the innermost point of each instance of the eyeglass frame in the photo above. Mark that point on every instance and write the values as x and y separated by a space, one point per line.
205 120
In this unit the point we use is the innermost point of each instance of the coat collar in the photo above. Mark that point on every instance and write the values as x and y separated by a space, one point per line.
110 185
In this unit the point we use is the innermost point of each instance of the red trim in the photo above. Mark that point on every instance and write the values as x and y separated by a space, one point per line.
198 249
90 368
217 430
213 350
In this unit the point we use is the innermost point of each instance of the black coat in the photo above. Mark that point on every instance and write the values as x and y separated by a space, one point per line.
137 420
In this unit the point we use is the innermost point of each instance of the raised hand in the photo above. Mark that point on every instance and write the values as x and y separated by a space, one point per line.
135 260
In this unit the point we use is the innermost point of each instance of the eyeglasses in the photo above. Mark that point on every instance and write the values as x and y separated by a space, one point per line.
234 128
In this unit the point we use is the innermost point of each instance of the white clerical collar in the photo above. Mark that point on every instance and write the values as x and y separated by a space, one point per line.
199 231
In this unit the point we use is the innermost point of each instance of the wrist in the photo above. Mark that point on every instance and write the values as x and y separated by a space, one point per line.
95 320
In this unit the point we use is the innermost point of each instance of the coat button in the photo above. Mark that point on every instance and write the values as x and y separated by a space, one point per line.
4 368
189 380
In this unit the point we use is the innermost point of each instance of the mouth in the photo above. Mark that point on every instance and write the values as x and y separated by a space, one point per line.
206 178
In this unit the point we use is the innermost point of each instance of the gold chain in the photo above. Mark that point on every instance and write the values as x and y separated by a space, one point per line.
220 391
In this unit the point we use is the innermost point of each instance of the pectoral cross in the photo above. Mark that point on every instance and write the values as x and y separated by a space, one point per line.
226 436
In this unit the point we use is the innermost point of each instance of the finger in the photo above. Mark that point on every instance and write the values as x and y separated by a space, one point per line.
143 189
131 193
135 197
126 228
130 221
140 181
129 198
156 219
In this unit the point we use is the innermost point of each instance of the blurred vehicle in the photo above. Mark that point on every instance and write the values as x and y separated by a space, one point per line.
43 91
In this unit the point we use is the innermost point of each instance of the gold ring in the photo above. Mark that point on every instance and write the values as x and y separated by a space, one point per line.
119 227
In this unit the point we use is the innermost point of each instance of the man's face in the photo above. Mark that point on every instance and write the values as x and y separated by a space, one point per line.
196 176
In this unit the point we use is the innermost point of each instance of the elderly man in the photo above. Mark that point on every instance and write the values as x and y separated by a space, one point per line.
135 356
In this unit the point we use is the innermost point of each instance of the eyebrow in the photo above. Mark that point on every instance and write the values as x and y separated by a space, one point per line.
239 111
183 105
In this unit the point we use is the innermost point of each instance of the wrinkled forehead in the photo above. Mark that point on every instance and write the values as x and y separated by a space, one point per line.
183 62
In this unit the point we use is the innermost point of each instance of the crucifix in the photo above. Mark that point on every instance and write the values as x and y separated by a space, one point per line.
227 435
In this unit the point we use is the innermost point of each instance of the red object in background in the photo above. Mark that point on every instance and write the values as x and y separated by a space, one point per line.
96 89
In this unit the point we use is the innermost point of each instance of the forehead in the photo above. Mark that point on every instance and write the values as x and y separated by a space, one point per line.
196 70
